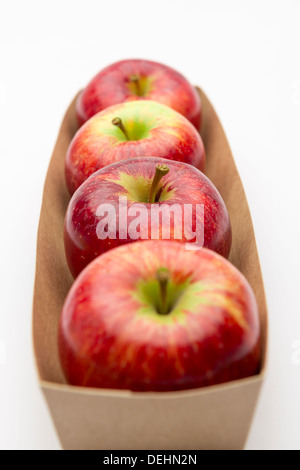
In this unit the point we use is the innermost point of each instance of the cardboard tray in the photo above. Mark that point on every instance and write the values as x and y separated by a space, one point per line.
216 417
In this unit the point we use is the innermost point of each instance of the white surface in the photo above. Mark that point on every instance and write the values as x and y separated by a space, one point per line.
245 55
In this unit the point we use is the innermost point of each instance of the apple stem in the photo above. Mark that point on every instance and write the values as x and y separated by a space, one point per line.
136 80
160 171
119 123
163 276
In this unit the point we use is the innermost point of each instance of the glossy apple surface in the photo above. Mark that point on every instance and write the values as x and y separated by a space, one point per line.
137 79
152 129
121 328
183 189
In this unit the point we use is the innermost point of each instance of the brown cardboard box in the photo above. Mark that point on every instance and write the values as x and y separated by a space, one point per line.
216 417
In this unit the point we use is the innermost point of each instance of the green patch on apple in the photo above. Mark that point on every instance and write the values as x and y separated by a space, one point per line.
138 188
179 298
140 85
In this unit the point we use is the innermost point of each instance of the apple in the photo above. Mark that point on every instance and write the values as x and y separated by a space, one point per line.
127 130
144 198
137 79
153 316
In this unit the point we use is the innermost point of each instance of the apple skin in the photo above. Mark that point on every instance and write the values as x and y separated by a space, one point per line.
154 130
159 83
184 184
111 336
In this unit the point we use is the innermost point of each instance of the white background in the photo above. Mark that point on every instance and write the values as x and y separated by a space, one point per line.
245 55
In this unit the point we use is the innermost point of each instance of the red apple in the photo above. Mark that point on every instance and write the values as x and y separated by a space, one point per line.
127 130
154 316
144 198
136 79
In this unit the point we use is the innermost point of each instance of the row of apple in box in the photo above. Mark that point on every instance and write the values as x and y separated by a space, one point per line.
162 313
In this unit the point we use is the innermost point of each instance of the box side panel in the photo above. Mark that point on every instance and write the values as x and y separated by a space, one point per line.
217 420
221 169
